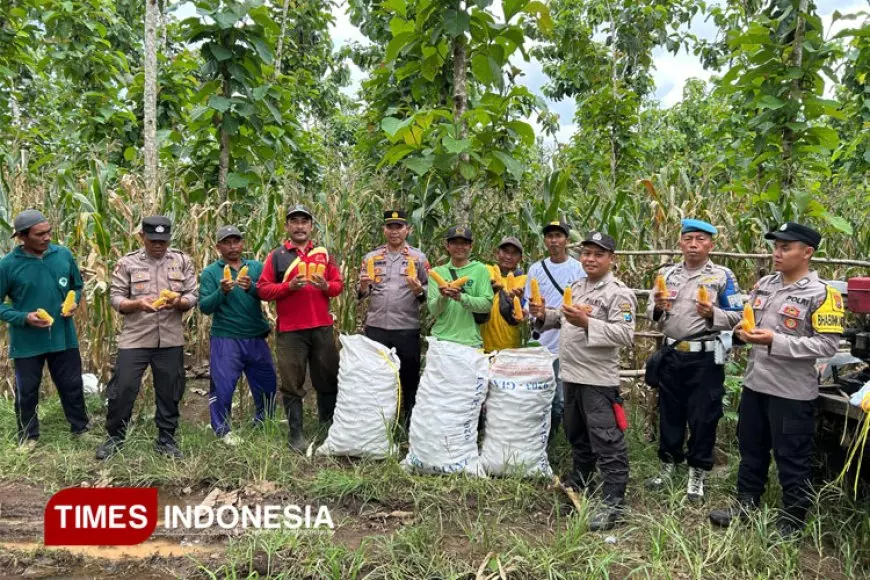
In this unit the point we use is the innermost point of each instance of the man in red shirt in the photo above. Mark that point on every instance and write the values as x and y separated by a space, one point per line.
301 279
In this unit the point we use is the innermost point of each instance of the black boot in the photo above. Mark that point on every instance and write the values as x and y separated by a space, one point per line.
296 439
741 510
165 445
606 515
109 447
326 406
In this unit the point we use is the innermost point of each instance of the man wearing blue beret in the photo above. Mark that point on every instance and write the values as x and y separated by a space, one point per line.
692 373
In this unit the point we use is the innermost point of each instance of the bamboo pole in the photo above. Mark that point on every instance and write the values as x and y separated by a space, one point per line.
834 261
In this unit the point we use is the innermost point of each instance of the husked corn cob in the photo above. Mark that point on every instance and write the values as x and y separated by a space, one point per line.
319 269
459 282
228 273
370 268
518 309
243 271
536 291
567 298
43 315
68 303
411 271
509 281
438 279
661 285
703 295
302 270
748 321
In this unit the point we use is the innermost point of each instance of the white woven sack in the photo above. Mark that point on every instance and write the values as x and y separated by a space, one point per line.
443 435
368 397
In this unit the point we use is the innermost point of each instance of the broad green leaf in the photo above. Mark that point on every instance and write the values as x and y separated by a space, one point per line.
263 50
397 6
770 102
839 223
130 153
524 130
219 103
467 170
456 145
456 23
826 136
545 21
226 19
237 180
392 125
513 166
512 7
419 165
220 53
399 42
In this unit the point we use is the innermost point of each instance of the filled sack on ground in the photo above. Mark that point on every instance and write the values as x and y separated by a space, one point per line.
368 400
443 434
521 386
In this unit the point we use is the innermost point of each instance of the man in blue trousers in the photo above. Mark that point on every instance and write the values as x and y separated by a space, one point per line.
238 333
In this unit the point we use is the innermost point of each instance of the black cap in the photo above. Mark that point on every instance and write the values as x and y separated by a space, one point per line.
603 241
157 228
793 232
560 225
395 216
511 241
459 232
228 232
26 220
299 208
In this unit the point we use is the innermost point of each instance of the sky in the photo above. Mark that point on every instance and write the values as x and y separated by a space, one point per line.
670 74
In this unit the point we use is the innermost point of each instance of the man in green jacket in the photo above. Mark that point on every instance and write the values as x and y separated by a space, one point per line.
238 333
38 275
459 310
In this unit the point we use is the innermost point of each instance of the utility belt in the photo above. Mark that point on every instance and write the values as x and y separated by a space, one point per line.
691 345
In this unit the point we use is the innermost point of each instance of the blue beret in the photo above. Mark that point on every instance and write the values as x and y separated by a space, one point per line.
698 226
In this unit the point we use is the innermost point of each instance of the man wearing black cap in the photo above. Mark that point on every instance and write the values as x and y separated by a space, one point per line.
599 322
393 315
238 333
459 310
38 275
301 279
503 330
692 374
554 273
152 335
799 319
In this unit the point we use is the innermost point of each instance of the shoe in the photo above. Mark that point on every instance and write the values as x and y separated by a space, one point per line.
295 440
695 488
27 446
82 431
231 439
109 447
605 517
168 448
663 477
742 511
788 528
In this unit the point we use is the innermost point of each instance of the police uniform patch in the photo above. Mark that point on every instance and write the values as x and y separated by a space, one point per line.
626 316
758 302
828 319
790 323
625 307
792 311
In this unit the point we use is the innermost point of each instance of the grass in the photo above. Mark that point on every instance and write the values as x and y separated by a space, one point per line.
458 525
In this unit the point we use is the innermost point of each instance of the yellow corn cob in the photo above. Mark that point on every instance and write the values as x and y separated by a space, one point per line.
159 302
567 299
169 294
536 291
319 269
865 403
370 268
411 271
703 295
68 303
509 281
302 270
43 315
318 250
228 273
289 270
748 321
661 285
243 271
518 309
438 279
459 282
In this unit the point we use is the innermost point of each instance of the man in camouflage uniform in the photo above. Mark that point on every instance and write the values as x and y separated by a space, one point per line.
152 335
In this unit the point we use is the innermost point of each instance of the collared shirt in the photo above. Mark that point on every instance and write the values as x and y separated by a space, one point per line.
683 320
237 313
807 320
138 275
392 305
590 356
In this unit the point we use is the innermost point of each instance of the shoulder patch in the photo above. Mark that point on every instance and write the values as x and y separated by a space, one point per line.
828 318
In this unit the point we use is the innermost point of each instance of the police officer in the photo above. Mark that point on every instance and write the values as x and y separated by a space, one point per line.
692 379
305 326
151 336
238 334
799 319
38 274
393 315
599 322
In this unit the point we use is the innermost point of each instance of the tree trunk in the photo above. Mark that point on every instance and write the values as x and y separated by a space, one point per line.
224 159
150 105
460 104
280 48
795 95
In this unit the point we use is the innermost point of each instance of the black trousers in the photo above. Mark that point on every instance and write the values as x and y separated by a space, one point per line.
690 395
309 350
65 368
167 366
407 345
595 439
786 427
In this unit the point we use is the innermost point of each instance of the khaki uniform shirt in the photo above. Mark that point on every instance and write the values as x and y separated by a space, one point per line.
683 320
590 356
137 275
392 305
807 320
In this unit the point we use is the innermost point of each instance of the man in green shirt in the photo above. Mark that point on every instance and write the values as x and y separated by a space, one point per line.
458 310
38 275
238 333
